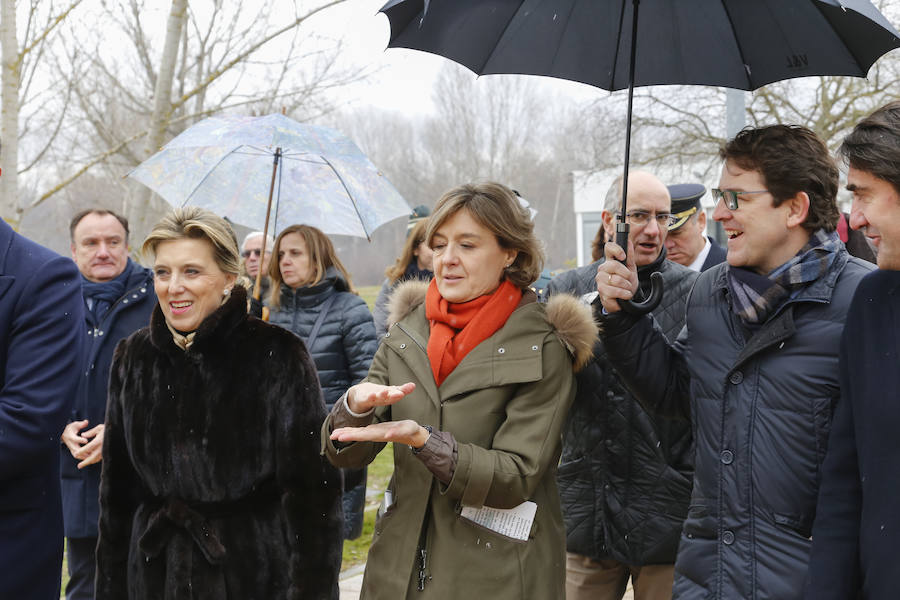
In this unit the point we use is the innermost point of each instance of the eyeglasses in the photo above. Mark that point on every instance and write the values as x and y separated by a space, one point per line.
731 196
254 252
640 218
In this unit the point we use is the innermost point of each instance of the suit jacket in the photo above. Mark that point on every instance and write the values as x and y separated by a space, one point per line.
716 255
40 354
857 525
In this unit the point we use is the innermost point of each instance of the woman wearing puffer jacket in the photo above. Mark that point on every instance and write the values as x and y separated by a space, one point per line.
312 295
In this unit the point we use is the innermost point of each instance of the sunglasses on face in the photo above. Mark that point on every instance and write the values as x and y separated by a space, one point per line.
254 252
731 196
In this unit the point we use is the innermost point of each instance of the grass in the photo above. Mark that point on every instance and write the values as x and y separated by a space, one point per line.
369 293
379 474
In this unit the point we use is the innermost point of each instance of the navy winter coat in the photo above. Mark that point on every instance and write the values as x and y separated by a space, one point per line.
857 523
761 410
81 487
40 353
625 476
345 344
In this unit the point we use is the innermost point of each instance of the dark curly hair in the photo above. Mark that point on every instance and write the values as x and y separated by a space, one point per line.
791 159
874 144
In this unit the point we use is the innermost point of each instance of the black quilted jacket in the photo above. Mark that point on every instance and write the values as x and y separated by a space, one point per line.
624 477
345 344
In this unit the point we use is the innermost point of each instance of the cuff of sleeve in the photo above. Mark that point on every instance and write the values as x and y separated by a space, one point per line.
342 416
613 323
439 455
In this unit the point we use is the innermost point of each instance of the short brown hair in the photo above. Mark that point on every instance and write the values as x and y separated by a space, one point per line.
415 237
791 159
874 144
96 211
496 208
321 256
192 222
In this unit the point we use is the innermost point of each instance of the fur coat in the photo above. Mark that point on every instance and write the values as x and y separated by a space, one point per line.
505 403
212 484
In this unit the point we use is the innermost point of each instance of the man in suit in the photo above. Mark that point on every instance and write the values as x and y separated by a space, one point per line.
41 317
854 552
118 300
687 242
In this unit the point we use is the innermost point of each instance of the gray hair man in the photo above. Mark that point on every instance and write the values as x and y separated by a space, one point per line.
625 476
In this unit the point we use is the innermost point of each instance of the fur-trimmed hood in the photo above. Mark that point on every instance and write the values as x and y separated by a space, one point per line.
571 319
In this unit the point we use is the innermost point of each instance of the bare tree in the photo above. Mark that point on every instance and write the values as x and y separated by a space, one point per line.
141 84
23 92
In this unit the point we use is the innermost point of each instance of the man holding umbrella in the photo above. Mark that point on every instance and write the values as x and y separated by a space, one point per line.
625 476
755 367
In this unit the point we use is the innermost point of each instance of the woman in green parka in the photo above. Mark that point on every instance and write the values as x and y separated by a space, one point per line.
471 383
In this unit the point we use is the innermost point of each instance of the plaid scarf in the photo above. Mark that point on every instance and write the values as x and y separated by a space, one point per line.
756 297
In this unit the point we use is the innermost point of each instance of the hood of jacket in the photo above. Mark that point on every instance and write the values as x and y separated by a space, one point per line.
571 319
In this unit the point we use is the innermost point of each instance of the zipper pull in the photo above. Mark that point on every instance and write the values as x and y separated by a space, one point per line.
423 555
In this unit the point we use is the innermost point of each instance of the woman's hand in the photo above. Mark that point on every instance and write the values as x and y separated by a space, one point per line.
399 432
363 396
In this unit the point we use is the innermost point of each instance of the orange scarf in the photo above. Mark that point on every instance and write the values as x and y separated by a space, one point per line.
457 328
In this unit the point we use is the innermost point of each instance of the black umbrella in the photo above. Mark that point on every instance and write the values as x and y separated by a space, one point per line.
742 44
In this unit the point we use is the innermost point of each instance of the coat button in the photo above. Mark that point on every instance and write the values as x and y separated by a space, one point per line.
143 290
125 301
134 295
388 334
501 350
727 538
736 377
608 443
99 333
402 346
727 457
534 347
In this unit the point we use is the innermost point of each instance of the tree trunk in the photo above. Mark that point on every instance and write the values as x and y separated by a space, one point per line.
162 103
10 209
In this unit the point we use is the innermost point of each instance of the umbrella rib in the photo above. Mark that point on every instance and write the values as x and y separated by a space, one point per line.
737 42
352 199
490 55
205 176
612 79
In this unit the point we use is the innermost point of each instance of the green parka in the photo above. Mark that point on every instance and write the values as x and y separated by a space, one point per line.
505 403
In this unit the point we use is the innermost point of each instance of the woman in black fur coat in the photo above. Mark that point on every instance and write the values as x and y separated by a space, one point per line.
212 484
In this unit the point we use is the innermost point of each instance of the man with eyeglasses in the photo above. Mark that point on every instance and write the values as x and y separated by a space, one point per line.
251 250
625 477
687 242
854 552
755 367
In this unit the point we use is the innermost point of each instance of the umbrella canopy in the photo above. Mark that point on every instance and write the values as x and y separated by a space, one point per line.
225 164
614 45
731 43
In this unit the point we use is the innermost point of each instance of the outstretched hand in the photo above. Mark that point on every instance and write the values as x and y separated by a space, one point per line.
363 396
616 280
399 432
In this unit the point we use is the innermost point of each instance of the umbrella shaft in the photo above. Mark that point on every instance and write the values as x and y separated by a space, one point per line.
632 61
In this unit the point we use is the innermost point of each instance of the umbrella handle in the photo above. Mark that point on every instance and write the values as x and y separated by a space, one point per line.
656 281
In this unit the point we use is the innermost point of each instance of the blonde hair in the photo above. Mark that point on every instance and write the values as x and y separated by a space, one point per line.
321 256
416 236
192 222
496 208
